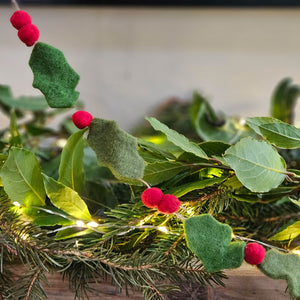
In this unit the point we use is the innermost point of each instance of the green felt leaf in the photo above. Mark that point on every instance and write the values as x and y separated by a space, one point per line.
257 164
280 134
71 171
177 139
198 185
53 76
15 138
296 202
66 199
284 99
158 172
210 240
116 150
22 179
289 233
279 265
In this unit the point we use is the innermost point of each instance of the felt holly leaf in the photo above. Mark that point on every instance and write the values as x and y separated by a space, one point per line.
288 233
284 100
15 138
22 179
279 265
116 150
256 164
66 199
158 172
53 76
177 139
192 186
71 171
280 134
210 240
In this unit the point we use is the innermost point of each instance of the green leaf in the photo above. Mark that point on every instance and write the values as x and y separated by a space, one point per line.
214 148
53 76
256 164
71 233
116 150
198 185
25 103
15 138
280 134
22 179
284 99
210 240
71 171
66 199
161 171
49 216
279 265
211 127
289 233
177 139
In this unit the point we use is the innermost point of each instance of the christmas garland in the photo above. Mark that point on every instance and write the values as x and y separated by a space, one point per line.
240 162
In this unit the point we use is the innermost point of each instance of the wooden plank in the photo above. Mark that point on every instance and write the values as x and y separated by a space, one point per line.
246 283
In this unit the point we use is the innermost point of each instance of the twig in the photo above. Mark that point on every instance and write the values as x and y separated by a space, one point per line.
15 3
31 284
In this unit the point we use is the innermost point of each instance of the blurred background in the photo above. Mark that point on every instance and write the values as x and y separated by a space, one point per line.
131 58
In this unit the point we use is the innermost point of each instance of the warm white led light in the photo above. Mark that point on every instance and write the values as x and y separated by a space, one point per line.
61 143
296 252
163 229
16 203
80 223
92 224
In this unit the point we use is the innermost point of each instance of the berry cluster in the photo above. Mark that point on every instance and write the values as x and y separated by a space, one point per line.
82 119
27 32
154 198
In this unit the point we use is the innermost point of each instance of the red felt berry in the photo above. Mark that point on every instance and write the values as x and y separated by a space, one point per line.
20 18
254 253
82 119
29 34
168 204
151 197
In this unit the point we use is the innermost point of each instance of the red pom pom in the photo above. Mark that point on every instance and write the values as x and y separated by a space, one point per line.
20 18
151 197
168 204
254 253
29 34
82 119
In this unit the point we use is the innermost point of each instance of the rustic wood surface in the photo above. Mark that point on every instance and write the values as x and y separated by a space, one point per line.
245 283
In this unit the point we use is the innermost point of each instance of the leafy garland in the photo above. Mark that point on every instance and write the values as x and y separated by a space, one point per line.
80 212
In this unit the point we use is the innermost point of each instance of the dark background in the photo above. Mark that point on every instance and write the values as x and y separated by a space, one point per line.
209 3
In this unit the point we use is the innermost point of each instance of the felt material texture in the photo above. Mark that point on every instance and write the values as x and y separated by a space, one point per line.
53 76
29 34
116 150
169 204
279 265
151 197
210 240
20 18
254 253
82 119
